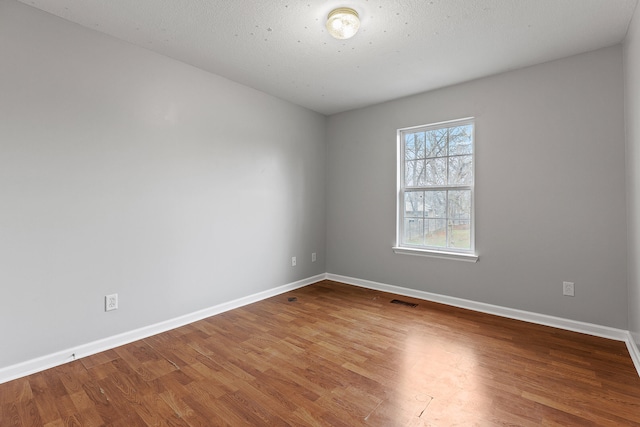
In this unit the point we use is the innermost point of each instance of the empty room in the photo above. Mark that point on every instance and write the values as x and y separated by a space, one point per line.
319 213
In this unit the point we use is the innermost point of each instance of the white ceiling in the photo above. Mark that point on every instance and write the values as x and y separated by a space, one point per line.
403 47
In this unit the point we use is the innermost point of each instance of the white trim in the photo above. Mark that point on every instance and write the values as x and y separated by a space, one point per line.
437 125
51 360
436 254
511 313
634 350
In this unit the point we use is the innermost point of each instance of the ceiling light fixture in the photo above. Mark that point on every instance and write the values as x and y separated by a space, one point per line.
343 23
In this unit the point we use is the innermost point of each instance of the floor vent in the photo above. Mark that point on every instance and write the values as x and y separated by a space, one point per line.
408 304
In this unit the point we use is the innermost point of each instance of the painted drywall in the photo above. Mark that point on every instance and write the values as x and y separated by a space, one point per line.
632 124
122 171
550 190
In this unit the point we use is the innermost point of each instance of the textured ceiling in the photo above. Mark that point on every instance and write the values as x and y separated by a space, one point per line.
403 47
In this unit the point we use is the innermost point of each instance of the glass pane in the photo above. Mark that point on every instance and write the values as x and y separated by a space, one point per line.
460 234
436 142
460 140
461 170
459 205
414 146
414 204
435 205
414 173
435 232
413 231
435 172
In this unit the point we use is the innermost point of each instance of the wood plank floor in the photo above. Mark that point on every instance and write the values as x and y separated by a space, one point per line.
339 355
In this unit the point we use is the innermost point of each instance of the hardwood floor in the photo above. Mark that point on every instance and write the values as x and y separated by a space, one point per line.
339 355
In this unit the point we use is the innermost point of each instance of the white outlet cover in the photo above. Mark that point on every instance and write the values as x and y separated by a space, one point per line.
568 289
111 302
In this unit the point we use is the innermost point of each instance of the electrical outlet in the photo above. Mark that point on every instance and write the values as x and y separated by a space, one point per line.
313 257
111 302
293 261
568 289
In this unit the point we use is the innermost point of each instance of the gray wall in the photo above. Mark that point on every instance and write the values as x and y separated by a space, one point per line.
632 110
550 189
125 171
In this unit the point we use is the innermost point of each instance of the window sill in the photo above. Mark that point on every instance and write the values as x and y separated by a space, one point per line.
436 254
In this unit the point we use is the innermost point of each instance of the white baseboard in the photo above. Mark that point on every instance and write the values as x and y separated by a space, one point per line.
634 350
51 360
511 313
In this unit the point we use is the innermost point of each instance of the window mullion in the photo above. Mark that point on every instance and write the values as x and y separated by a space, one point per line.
439 188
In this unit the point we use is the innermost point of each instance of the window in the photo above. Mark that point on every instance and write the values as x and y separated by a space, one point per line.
435 197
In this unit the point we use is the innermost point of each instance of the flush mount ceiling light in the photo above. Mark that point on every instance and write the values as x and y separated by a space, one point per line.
343 23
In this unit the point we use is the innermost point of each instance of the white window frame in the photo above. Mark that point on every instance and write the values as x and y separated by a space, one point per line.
435 252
